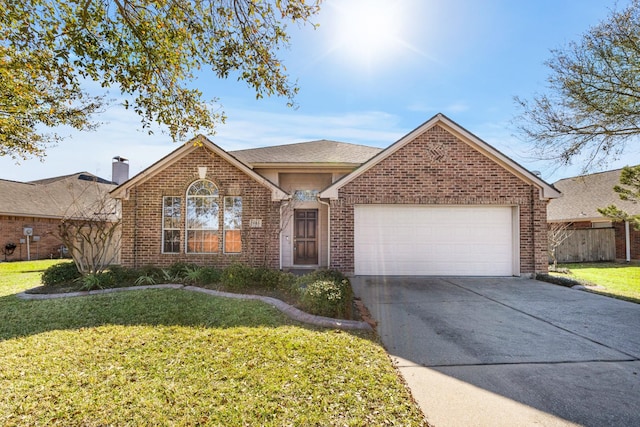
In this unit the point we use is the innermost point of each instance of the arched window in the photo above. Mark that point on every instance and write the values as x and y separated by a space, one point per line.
202 217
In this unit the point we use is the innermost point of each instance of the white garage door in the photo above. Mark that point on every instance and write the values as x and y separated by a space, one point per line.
434 240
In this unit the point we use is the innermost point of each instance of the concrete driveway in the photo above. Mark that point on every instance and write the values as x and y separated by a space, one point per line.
509 351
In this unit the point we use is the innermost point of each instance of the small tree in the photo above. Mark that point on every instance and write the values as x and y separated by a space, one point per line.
629 177
91 229
558 233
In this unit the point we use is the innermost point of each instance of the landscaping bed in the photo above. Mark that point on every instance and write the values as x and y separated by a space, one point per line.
322 292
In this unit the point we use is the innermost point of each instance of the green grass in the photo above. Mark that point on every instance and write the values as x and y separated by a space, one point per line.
169 357
618 280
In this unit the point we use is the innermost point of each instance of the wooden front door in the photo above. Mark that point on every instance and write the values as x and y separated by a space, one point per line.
305 241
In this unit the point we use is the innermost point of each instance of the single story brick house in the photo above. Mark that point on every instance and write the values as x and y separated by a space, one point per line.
439 201
30 212
578 206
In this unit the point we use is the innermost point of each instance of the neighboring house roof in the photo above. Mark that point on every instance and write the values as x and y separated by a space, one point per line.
58 197
583 195
321 151
546 190
121 192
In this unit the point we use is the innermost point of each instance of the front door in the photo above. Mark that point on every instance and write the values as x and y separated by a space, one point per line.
305 242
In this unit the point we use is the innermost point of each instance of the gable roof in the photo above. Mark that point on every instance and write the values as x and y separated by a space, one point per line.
583 195
121 192
303 153
57 197
546 190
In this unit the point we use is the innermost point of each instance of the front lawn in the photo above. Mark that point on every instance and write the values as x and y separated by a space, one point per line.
621 280
166 357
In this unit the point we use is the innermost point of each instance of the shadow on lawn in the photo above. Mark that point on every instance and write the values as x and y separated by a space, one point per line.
165 307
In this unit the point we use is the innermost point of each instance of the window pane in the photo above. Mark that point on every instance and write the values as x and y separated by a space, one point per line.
171 241
171 224
232 241
202 188
202 217
233 213
202 213
202 241
171 212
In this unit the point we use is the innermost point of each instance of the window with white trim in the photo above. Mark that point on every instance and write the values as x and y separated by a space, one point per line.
202 217
232 224
171 224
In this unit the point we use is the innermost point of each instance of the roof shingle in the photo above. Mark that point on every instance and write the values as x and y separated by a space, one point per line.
321 151
51 197
583 195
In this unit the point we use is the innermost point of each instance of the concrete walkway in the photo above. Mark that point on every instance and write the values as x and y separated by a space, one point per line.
509 352
287 309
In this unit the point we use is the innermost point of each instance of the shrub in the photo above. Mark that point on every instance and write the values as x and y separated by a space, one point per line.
210 275
238 276
324 298
267 278
202 275
288 285
326 293
152 271
324 274
179 270
144 280
63 273
558 280
93 281
123 276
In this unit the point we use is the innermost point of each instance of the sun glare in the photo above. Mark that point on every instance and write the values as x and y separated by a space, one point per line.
367 31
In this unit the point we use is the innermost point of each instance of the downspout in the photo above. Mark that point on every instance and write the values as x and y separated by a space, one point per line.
328 231
627 240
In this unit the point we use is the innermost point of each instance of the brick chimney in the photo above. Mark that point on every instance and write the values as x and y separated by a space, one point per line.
119 170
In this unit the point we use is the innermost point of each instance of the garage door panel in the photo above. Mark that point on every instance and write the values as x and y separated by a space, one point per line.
434 240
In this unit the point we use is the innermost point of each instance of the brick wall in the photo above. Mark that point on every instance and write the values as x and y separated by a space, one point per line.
11 231
438 168
634 240
142 215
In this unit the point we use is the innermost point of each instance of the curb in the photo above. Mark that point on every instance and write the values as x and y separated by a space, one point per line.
282 306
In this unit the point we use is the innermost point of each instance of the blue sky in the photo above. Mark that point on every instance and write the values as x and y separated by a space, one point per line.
464 58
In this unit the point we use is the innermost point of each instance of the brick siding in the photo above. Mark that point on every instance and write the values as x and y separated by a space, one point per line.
621 246
11 231
142 215
437 168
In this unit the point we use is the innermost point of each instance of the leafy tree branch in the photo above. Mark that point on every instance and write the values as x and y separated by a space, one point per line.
150 50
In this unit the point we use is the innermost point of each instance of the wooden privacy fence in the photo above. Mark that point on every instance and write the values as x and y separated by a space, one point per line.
592 244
